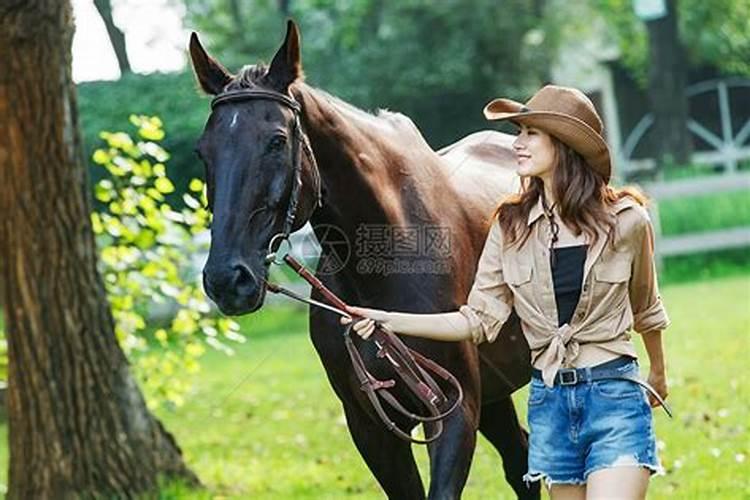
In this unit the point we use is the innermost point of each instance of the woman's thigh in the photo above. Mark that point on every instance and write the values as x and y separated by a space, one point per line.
567 492
626 483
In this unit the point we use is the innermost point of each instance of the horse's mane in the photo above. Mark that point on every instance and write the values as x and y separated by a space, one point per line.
252 76
249 77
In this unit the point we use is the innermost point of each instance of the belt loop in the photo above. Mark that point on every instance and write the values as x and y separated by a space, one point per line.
588 376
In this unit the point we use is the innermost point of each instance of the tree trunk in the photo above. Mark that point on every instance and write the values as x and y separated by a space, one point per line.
79 427
285 7
116 36
666 87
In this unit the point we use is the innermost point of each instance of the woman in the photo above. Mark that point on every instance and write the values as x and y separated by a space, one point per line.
574 257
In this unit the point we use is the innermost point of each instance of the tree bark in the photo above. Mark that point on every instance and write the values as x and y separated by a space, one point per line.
116 36
285 7
78 424
666 87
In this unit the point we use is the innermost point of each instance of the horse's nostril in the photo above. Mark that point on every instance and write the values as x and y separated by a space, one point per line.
243 277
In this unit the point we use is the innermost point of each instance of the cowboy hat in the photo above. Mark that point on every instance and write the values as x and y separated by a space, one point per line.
564 113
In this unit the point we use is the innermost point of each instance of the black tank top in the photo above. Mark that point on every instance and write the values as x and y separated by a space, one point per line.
567 277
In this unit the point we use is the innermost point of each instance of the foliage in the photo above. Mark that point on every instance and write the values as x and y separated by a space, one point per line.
3 359
173 97
432 61
714 33
3 354
145 260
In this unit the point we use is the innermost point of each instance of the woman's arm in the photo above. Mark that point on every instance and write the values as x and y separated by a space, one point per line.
450 326
488 305
649 315
657 375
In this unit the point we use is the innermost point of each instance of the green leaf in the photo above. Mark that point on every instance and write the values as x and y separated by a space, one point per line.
101 157
196 185
164 185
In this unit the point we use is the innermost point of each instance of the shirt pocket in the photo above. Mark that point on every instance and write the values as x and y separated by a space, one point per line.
616 269
518 273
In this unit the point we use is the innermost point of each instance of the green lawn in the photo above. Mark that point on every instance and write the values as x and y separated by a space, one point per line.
265 424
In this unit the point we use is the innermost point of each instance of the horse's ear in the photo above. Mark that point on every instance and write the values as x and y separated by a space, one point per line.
286 66
210 73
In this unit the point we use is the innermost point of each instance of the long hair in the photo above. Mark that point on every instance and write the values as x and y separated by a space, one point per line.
582 195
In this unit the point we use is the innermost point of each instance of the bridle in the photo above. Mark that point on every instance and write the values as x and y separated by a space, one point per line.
299 144
413 368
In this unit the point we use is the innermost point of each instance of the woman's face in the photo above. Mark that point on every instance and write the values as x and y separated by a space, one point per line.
535 153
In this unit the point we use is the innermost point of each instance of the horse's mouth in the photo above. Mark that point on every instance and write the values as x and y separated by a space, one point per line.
239 306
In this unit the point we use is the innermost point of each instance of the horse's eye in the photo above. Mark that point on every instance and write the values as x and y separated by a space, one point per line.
277 142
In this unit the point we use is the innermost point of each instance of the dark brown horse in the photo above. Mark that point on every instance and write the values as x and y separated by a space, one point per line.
375 171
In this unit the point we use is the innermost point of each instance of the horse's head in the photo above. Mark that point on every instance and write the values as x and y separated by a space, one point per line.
251 147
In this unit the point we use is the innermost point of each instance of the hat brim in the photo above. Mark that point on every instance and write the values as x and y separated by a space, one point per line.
568 129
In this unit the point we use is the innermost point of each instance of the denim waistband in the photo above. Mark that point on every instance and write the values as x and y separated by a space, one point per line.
568 376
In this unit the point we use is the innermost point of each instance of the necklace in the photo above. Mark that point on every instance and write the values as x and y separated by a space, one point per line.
554 229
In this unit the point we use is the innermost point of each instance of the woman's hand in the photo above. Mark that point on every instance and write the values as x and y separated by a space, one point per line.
366 324
658 380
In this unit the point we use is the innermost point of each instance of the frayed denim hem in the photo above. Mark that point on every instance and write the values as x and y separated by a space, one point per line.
655 470
532 477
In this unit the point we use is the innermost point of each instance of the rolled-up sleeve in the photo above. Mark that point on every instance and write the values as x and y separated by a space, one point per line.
649 313
490 300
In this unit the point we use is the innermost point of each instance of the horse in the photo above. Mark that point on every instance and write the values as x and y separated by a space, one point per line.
373 171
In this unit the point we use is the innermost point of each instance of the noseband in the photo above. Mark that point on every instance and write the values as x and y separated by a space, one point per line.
300 143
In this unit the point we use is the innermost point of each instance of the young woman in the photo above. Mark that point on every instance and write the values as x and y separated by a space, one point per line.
574 257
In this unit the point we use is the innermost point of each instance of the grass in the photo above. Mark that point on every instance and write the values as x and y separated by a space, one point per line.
704 213
281 433
265 424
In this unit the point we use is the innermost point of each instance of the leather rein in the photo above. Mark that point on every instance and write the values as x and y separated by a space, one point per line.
415 370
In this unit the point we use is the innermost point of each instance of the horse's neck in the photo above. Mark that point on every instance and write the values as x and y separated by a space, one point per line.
373 177
367 171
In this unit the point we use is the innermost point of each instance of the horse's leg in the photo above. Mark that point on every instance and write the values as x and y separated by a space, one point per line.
499 424
389 458
450 456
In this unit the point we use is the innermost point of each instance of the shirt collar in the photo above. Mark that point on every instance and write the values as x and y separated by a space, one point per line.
537 210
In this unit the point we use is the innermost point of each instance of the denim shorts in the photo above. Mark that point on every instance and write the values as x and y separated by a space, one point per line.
578 429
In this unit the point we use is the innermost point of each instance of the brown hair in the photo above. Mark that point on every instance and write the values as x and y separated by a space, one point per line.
582 195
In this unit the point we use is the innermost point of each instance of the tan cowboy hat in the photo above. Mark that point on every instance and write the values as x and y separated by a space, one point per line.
565 113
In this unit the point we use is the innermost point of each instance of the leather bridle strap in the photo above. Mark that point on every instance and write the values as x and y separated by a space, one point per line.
411 367
256 94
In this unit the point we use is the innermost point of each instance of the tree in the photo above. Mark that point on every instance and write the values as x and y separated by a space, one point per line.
116 36
78 423
658 51
437 62
667 77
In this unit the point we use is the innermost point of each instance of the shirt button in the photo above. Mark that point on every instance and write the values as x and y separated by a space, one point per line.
580 315
585 288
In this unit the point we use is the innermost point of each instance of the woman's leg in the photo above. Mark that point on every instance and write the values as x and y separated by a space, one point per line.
567 492
626 483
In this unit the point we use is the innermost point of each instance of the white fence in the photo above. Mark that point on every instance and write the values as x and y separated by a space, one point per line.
735 237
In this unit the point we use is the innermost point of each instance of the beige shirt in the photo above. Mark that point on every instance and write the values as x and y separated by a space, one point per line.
619 292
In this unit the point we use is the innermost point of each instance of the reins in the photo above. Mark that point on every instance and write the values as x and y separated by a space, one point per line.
414 369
